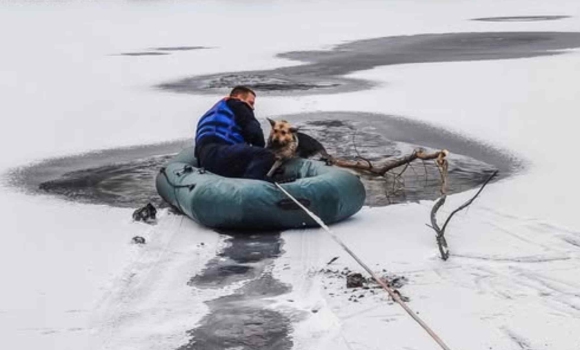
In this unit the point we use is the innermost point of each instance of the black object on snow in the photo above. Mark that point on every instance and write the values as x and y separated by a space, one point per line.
138 240
355 280
146 214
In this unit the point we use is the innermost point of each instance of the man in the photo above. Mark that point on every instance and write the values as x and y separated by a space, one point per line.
229 140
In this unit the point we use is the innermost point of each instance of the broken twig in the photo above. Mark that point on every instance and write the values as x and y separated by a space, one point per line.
440 231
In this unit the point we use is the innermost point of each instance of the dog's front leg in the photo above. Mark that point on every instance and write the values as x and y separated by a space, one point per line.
276 165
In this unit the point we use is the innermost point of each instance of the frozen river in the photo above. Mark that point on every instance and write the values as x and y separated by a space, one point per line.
95 97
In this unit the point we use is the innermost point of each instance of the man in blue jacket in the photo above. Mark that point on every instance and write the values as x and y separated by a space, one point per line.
229 140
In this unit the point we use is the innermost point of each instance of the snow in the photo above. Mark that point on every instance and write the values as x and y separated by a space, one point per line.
505 275
153 307
71 279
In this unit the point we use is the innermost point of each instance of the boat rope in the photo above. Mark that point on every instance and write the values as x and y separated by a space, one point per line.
186 169
383 284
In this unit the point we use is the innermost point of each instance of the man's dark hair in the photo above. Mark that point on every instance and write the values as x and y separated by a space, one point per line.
241 90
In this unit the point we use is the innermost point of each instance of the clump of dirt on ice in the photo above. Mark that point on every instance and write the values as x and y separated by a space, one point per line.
348 282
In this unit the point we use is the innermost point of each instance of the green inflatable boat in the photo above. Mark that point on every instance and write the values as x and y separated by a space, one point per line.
230 203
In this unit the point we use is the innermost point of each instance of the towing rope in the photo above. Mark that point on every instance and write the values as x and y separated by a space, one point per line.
384 285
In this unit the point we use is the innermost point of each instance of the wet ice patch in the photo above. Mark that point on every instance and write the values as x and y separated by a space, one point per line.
324 71
163 51
145 53
241 328
259 82
181 48
520 18
242 320
244 257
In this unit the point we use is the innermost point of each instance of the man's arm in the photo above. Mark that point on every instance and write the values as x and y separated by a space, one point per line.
251 129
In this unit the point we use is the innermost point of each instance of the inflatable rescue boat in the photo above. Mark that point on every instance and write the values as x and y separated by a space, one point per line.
215 201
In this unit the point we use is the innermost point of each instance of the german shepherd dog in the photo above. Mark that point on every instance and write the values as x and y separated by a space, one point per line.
286 142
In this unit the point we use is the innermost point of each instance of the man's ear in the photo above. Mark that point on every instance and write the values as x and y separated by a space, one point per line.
272 123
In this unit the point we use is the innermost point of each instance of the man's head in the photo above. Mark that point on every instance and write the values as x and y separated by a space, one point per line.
245 94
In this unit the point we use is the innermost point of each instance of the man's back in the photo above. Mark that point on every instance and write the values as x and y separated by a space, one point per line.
244 128
229 139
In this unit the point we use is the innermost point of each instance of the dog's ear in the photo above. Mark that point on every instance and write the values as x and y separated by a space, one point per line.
272 123
294 129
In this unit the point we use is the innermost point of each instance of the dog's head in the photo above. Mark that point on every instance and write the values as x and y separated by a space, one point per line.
282 133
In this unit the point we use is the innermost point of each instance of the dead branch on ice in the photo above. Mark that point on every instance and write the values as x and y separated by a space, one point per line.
440 231
381 168
390 163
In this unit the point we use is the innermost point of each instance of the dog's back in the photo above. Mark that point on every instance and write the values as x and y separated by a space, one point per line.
309 147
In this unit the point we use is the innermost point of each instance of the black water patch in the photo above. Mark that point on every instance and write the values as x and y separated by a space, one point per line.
244 257
162 51
262 82
520 18
374 137
242 320
323 71
125 177
250 248
266 286
120 177
222 273
241 328
144 53
125 184
181 48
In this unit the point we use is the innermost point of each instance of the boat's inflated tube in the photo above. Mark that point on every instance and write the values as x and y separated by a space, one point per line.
221 202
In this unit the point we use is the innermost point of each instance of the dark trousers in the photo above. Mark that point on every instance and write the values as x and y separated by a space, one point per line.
239 160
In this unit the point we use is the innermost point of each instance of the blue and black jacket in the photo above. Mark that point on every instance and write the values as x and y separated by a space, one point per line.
230 121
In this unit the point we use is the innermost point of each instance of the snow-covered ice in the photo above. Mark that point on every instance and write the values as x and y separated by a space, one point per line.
71 279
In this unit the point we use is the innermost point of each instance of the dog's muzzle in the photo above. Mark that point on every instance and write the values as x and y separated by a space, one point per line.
275 144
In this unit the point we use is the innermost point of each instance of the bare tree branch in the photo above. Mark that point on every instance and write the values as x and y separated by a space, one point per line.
440 231
466 204
357 152
390 163
384 166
